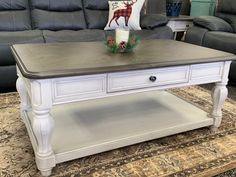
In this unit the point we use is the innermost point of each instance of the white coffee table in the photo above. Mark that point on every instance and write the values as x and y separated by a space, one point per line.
78 99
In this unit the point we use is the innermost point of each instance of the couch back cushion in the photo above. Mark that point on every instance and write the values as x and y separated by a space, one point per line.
230 18
14 15
226 6
96 13
226 10
58 14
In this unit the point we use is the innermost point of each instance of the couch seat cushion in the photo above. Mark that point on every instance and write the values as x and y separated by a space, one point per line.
73 36
20 37
221 41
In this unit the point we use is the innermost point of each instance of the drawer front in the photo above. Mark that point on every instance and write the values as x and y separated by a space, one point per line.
207 72
141 79
77 88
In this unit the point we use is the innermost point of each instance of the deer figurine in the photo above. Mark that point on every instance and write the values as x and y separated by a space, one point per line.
123 13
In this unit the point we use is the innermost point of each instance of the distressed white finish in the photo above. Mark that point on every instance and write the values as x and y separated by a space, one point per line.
98 125
140 79
47 96
25 101
43 124
76 88
179 26
219 94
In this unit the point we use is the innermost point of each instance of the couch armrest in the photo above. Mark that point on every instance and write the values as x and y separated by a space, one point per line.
151 21
195 35
212 23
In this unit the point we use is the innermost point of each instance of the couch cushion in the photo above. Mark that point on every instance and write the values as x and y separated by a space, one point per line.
58 15
226 6
96 13
221 41
15 20
96 19
73 36
230 18
57 5
13 5
163 32
96 4
14 15
21 37
51 20
151 21
195 35
212 23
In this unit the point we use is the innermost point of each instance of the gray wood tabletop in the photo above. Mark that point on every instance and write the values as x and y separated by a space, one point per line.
40 61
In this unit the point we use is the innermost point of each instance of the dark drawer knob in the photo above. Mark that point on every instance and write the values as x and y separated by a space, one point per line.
153 78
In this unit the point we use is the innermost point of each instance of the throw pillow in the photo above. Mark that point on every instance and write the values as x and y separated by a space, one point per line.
124 14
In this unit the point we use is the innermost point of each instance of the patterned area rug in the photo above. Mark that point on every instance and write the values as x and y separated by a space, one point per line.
195 153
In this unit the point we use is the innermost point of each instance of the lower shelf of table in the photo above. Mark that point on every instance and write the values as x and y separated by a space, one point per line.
94 126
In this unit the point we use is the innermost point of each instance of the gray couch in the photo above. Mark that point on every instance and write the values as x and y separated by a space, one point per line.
46 21
218 32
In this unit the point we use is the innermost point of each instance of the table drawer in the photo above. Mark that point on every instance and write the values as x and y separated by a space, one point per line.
208 71
142 79
77 88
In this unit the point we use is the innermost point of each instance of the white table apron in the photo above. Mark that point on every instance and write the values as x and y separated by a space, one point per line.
39 96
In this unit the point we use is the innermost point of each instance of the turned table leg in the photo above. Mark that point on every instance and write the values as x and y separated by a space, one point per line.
43 125
219 94
24 97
